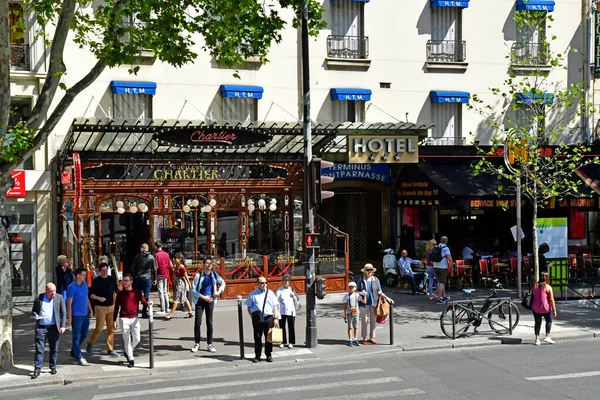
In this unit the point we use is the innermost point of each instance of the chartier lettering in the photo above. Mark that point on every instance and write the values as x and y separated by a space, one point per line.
220 137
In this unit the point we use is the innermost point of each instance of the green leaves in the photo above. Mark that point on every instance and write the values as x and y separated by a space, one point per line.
18 140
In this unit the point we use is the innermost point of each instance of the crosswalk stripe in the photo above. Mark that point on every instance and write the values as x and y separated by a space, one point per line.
273 391
199 361
234 383
250 369
377 395
564 376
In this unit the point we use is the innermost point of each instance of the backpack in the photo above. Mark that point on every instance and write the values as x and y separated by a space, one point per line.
436 254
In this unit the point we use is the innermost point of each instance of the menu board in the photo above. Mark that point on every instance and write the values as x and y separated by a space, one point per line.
554 232
173 240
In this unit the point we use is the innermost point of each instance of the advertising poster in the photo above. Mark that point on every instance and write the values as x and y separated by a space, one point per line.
553 231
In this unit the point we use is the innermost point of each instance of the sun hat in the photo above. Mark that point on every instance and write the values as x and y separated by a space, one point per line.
368 267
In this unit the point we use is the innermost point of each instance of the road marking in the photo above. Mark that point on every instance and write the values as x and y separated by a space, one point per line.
564 376
250 369
234 383
268 392
377 395
118 366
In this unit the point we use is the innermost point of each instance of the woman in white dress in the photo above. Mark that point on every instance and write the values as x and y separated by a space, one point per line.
287 305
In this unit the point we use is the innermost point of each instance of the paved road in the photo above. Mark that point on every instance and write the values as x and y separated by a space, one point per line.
522 371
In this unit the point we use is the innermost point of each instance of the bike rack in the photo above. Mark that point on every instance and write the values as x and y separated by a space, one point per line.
499 302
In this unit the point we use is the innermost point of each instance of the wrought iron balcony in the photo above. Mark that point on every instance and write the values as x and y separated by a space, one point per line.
19 57
529 54
446 50
351 47
444 141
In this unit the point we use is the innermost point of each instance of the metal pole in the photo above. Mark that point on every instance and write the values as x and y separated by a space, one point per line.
453 322
311 312
509 317
151 334
391 322
519 250
241 327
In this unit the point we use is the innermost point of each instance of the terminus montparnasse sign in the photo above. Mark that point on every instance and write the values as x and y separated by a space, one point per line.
383 149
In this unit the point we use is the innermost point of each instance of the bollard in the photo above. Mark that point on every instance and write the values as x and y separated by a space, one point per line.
241 326
509 317
391 322
150 334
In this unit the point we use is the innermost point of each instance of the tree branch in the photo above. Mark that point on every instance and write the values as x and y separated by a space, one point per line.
4 69
58 112
56 67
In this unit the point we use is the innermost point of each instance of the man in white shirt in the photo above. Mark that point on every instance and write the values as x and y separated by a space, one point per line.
441 268
406 272
263 308
467 252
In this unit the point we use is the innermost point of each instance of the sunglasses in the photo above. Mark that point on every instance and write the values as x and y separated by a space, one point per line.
262 283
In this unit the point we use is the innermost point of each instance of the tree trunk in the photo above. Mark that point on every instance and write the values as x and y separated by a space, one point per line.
6 304
535 243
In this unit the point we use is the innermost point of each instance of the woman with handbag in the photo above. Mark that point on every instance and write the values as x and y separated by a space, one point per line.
181 286
288 305
543 305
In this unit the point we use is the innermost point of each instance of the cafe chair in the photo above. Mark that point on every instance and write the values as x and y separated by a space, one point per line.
465 274
484 273
453 274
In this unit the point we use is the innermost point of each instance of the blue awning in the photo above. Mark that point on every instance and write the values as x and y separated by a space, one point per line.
244 92
125 87
528 98
438 96
449 3
535 5
338 94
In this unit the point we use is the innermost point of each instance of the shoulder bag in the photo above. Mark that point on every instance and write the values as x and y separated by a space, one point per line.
527 300
297 304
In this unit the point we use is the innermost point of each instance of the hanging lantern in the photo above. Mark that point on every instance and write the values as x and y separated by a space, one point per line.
120 210
143 207
133 209
261 204
195 203
120 204
186 209
212 202
250 202
250 207
272 207
208 209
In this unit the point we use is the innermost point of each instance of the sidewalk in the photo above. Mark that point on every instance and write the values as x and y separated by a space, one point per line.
416 327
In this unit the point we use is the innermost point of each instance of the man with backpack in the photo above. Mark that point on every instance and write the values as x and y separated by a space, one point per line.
440 255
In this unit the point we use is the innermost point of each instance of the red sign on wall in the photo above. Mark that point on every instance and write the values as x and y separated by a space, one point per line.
18 189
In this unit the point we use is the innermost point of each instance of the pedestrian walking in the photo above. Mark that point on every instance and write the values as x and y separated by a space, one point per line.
370 288
163 264
127 303
431 273
206 289
263 308
103 291
351 313
63 275
50 313
287 297
543 305
181 285
79 311
440 255
144 268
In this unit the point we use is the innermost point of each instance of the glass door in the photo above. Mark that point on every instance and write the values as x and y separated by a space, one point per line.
21 234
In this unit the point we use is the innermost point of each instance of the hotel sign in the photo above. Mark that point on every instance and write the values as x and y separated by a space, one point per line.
383 149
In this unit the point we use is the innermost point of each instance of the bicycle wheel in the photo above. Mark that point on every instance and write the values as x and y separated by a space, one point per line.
498 318
462 320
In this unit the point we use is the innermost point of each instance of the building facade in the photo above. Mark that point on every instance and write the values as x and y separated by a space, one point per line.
377 61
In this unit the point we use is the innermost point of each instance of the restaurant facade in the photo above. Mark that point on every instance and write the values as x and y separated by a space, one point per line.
232 191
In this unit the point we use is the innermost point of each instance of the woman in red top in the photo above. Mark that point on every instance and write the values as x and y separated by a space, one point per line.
543 305
181 286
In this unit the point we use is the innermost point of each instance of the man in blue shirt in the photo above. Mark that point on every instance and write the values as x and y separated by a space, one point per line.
406 272
50 313
205 294
263 308
80 311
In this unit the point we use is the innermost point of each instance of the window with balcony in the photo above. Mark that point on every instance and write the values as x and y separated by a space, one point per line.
133 100
347 39
446 114
446 47
530 50
19 48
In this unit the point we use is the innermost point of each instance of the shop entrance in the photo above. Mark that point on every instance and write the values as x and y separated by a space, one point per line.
122 235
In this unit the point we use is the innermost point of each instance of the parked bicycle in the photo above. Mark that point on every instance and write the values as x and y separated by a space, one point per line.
494 310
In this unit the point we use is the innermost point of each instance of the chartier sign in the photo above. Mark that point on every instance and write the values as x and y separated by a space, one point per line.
383 149
211 137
